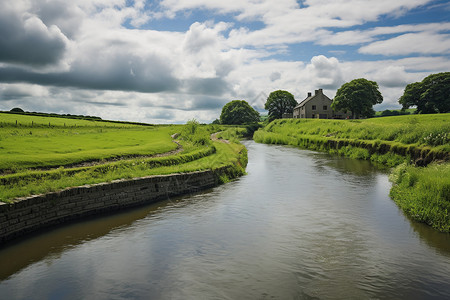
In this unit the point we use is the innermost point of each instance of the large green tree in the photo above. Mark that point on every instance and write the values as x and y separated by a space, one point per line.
358 97
278 103
238 112
431 95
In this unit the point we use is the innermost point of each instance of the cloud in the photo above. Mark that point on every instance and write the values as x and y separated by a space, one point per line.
66 15
206 86
19 91
393 76
410 43
275 76
148 75
84 56
326 72
25 39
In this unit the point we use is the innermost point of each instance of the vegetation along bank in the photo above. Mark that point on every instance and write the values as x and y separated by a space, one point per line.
418 146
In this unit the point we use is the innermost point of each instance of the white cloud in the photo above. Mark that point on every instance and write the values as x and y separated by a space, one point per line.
410 43
92 55
326 72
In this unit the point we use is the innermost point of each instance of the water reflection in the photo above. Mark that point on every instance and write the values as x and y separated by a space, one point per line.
299 225
49 244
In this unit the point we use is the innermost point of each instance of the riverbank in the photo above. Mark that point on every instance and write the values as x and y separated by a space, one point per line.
29 214
60 171
420 141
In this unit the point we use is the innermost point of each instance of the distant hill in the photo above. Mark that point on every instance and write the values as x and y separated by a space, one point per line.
19 111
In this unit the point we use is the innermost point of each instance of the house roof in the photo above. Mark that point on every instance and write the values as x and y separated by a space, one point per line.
302 103
310 97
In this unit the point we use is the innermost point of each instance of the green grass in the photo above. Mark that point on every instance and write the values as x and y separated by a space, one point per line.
29 148
408 129
399 136
424 193
40 145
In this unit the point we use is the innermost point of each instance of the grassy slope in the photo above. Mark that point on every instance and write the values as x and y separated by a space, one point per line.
398 136
62 143
423 193
59 145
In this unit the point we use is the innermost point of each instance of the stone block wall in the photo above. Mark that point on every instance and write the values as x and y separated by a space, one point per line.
29 214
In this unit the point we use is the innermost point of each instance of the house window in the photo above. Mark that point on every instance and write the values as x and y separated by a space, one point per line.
313 107
324 107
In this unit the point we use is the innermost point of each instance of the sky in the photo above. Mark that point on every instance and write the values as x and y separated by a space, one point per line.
171 61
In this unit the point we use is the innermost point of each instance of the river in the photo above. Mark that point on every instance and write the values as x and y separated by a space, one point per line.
300 225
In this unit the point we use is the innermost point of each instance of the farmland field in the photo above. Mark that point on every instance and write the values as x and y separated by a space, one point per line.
33 143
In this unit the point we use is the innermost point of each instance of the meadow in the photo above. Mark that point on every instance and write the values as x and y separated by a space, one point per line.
416 146
387 140
40 154
37 142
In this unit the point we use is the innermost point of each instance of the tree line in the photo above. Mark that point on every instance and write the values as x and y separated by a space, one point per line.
431 95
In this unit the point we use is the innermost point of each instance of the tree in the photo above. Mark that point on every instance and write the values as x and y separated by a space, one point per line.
238 112
17 109
357 96
278 103
431 95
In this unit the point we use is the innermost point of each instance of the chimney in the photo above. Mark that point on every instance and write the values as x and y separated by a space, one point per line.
316 92
309 94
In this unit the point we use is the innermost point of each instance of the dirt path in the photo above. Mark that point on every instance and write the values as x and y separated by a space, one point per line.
216 139
126 157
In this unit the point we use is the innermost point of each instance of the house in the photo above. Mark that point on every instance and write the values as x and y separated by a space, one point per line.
317 106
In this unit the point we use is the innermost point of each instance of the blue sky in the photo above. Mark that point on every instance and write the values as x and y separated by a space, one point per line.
170 61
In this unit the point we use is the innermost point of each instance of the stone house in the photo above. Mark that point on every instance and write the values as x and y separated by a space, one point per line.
317 106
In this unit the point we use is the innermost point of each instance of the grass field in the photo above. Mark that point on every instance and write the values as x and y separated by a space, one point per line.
33 143
388 140
29 149
422 192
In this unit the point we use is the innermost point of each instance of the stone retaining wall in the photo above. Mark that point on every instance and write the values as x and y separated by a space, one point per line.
29 214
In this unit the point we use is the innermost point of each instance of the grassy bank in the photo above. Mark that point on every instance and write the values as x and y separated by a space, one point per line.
409 141
388 140
26 159
423 193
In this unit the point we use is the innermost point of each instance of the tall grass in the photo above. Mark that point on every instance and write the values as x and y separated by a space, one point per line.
408 129
423 193
388 140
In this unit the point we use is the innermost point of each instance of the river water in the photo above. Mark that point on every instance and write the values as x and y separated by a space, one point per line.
300 225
